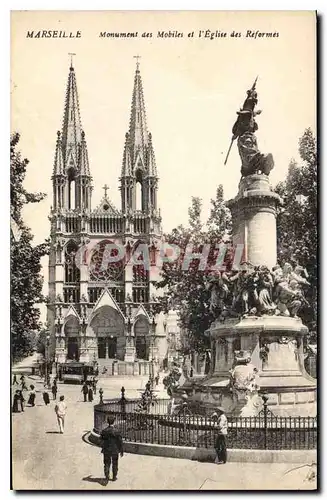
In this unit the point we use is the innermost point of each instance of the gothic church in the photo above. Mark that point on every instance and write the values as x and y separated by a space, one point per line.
97 312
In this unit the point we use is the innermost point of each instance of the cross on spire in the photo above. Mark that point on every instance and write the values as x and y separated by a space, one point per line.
137 61
105 187
71 54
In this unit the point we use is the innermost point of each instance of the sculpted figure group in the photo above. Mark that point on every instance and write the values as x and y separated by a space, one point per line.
257 291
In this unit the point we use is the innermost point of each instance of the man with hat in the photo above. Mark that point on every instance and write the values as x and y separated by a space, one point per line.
112 447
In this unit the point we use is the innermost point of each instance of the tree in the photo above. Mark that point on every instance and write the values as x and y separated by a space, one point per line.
297 233
186 286
26 281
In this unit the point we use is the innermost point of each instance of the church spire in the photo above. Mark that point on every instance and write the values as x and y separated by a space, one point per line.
139 164
71 128
138 133
72 181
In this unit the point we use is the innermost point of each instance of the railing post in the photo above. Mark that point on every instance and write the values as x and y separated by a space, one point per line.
265 412
123 400
101 395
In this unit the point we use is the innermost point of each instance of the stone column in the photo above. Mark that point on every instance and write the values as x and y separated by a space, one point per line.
254 220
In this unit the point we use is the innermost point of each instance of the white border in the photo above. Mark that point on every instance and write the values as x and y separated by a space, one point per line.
5 8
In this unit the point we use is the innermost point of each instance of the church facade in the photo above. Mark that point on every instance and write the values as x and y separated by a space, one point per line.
101 297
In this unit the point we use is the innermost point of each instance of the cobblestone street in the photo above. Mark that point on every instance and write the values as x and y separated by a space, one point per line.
43 459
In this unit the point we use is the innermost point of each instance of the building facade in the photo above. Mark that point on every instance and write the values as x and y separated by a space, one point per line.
103 261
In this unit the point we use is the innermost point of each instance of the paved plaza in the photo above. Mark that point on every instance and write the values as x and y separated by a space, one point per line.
43 459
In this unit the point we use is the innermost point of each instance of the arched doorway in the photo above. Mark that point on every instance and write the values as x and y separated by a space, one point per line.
141 332
72 338
108 327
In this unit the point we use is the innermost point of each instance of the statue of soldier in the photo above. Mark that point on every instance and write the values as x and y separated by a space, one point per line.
244 131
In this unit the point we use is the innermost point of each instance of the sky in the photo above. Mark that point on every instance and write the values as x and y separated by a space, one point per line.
192 88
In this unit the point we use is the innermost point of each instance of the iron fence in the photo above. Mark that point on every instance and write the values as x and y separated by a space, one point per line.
264 431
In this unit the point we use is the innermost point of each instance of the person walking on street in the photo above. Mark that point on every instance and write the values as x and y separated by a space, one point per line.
21 400
111 447
94 385
14 380
220 444
46 398
54 389
15 408
23 383
85 391
31 399
90 395
60 410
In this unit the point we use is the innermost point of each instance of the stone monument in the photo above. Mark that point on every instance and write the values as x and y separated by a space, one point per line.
257 336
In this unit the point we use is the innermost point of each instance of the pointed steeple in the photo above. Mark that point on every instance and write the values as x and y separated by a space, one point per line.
138 134
83 160
127 164
72 181
139 165
71 128
58 166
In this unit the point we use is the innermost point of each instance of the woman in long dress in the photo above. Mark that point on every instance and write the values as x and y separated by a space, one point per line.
15 408
21 400
46 398
31 399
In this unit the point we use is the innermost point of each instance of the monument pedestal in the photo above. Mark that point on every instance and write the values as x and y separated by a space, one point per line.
275 347
254 220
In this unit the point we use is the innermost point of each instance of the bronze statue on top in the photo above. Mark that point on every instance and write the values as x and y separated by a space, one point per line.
243 130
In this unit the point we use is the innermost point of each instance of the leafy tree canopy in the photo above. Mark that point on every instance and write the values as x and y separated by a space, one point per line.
297 232
26 281
186 285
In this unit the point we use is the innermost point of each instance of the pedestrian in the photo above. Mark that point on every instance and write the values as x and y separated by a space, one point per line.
15 408
31 399
157 379
14 380
46 398
60 410
23 383
21 400
220 443
90 395
54 389
112 447
85 391
94 385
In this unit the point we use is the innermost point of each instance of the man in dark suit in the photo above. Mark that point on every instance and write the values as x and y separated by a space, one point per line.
112 447
85 391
